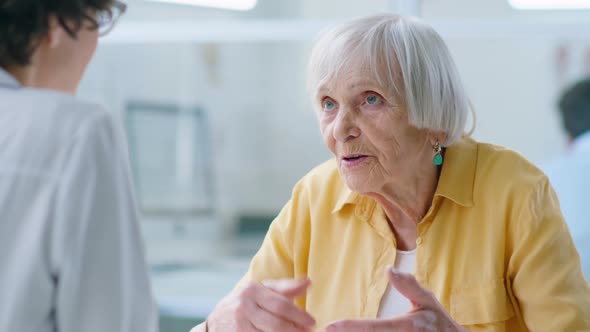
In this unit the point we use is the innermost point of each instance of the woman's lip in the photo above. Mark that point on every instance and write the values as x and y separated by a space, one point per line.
350 163
356 155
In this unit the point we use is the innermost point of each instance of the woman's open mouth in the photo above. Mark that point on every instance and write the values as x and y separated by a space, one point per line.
353 160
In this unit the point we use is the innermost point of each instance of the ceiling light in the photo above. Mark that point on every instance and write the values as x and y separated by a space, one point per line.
550 4
223 4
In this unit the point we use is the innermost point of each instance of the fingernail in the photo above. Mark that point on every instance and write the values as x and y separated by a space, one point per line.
396 272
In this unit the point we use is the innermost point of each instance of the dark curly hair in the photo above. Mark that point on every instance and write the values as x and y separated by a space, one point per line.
574 105
23 24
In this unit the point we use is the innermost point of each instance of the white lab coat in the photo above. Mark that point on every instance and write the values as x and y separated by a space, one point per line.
71 253
569 176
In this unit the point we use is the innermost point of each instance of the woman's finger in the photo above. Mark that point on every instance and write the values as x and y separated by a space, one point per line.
423 320
254 328
268 322
407 285
290 288
404 323
282 307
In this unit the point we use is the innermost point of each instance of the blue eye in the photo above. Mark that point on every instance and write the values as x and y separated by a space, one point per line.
372 100
329 105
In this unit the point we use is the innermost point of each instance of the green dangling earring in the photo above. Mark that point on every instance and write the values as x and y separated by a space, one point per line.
438 158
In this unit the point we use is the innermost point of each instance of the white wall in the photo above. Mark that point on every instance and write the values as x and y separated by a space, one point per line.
513 88
262 129
265 137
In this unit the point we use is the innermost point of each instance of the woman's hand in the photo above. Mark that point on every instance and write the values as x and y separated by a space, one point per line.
427 314
266 307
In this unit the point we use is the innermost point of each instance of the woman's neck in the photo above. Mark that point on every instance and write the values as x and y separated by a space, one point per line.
406 203
24 75
42 75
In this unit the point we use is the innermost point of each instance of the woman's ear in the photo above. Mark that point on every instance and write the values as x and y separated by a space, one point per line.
55 34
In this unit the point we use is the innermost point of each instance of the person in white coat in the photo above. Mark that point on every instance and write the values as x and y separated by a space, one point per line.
71 253
569 172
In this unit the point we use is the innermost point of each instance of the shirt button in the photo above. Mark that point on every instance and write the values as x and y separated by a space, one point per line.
419 241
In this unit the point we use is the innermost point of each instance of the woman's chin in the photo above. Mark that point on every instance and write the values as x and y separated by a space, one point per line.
358 184
360 179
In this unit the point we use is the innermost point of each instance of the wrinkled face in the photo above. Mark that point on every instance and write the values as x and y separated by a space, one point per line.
368 132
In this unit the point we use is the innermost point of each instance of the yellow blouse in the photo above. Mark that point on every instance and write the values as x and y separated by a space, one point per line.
493 248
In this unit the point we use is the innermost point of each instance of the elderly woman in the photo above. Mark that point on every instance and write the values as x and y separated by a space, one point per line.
412 226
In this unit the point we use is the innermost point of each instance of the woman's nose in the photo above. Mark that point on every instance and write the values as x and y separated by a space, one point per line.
345 127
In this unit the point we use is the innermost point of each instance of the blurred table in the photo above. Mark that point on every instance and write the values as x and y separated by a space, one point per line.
193 265
193 291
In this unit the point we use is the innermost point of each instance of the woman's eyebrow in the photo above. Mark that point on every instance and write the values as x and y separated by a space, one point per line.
363 83
324 90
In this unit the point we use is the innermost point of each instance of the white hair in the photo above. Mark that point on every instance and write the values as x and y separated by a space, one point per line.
407 58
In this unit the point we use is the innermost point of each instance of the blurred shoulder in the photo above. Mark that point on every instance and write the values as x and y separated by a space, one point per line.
58 115
41 127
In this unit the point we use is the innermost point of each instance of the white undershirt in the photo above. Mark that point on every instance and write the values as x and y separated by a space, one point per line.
392 302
